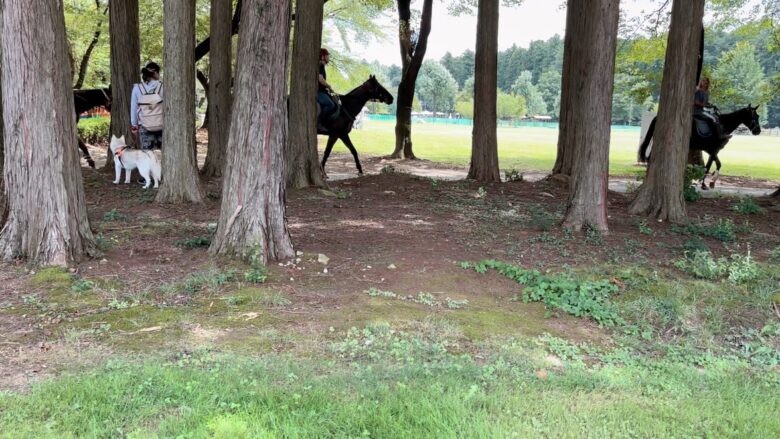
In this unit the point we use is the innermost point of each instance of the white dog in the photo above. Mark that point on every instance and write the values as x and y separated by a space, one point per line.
128 159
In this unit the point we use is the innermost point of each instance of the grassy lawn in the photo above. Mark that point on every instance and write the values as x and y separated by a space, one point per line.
533 149
437 309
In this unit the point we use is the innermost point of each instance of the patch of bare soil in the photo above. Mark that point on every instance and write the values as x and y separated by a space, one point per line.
389 231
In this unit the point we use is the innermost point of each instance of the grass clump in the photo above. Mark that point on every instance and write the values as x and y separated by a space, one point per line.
114 215
775 256
737 268
540 219
722 229
580 298
747 206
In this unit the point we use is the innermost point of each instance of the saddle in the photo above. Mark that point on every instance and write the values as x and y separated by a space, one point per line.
707 124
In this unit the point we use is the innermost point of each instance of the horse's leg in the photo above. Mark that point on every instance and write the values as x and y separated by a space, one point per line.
345 139
328 148
717 171
85 153
707 172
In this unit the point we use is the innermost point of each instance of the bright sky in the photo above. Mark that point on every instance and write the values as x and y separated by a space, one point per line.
533 20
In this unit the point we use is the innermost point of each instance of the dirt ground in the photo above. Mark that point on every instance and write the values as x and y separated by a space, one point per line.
389 231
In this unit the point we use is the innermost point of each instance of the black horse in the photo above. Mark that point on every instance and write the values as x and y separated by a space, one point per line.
85 100
339 125
711 144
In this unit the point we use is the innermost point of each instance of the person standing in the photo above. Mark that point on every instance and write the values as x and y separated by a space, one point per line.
146 108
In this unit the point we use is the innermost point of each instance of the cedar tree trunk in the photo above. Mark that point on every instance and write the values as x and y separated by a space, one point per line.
218 111
125 66
179 167
303 163
252 217
661 195
589 133
484 144
412 55
47 217
564 160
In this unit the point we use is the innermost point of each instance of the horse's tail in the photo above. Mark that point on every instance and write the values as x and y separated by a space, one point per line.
642 156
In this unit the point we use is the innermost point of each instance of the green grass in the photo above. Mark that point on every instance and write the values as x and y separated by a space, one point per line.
533 149
204 395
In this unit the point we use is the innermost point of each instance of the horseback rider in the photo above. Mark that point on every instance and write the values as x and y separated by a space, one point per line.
324 92
703 110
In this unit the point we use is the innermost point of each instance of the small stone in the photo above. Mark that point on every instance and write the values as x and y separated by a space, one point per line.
325 270
299 253
103 261
391 267
71 270
322 259
368 266
390 192
297 260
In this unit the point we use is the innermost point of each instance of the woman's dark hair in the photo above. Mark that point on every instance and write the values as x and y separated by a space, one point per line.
148 71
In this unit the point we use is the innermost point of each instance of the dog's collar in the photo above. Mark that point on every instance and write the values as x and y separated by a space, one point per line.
118 152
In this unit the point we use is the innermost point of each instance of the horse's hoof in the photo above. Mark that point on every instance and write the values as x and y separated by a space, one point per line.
704 187
360 173
712 185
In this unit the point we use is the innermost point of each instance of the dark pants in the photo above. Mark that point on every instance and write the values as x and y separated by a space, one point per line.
327 106
150 139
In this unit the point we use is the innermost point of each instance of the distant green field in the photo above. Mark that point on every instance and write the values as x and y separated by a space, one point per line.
533 149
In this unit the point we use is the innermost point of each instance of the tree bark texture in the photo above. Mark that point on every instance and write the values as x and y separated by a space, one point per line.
125 66
564 160
84 64
661 195
252 217
47 217
594 70
3 201
203 48
303 163
412 55
179 167
220 77
484 143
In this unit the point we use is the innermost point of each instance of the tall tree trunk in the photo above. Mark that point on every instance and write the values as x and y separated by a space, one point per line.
484 143
125 66
88 53
47 217
218 110
595 67
564 160
180 169
412 55
303 163
252 217
661 195
3 200
203 48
